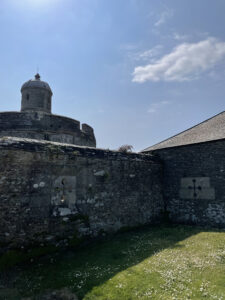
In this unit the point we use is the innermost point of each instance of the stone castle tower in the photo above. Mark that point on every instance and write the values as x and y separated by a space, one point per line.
36 120
36 95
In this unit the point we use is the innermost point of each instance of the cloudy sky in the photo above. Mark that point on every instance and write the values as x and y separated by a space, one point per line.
138 71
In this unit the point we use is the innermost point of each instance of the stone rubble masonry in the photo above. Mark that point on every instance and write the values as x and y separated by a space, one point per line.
52 192
194 183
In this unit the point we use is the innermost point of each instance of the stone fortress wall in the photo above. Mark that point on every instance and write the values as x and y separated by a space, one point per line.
57 193
44 126
52 192
194 183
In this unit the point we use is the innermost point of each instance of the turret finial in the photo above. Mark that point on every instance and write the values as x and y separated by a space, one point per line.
37 76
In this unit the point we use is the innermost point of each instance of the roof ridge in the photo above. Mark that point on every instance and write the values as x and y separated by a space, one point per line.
146 149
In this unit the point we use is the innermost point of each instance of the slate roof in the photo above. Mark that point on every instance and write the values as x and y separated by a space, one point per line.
209 130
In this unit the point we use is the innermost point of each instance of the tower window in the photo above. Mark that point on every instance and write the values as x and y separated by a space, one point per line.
28 96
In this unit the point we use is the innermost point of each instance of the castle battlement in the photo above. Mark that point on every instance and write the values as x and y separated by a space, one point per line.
36 121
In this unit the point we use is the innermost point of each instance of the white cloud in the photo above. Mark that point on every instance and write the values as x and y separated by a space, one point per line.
164 16
185 37
152 53
180 37
149 55
154 107
186 62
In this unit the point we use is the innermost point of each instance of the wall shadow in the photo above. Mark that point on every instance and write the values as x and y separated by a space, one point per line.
91 266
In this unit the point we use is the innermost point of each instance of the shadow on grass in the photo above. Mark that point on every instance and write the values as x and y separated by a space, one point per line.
83 269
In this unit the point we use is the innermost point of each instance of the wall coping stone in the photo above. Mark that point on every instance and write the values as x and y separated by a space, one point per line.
32 145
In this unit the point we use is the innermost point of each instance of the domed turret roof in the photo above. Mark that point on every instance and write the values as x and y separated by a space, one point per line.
36 83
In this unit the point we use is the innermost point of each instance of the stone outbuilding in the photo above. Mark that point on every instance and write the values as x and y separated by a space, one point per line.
194 173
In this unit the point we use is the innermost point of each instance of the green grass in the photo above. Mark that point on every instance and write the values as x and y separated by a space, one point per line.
13 257
166 262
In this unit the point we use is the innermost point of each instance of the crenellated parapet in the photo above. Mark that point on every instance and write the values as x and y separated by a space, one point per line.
43 126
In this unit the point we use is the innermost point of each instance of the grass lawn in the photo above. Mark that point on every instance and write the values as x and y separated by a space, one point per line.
161 262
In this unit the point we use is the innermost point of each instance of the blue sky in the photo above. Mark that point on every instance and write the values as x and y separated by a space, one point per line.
138 71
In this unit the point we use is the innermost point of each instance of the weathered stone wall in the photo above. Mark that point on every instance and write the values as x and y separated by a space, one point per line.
44 126
194 183
56 193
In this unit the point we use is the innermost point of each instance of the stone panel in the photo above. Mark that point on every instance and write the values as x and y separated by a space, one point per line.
196 188
64 191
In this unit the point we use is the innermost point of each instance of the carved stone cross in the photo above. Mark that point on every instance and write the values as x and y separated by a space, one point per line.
195 188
